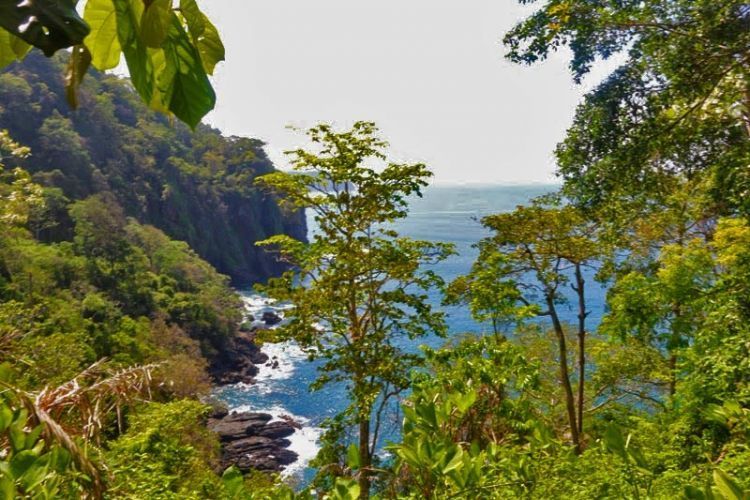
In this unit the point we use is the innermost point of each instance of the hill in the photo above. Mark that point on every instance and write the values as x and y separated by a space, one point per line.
196 187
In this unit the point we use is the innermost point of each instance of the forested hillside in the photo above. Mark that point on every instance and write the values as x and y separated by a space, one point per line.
196 187
108 323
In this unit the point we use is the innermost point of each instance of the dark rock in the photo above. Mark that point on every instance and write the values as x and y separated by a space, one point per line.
219 412
290 421
270 318
238 361
276 430
286 457
250 440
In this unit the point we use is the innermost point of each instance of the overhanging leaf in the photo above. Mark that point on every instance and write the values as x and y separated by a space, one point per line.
204 34
140 66
102 42
47 24
155 23
12 48
78 65
192 96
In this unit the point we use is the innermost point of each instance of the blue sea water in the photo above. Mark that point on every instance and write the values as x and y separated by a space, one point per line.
446 214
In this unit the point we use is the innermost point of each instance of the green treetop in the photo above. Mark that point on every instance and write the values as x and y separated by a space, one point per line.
534 253
358 287
678 105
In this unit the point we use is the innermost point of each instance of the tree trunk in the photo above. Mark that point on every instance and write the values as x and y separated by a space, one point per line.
364 458
564 375
579 288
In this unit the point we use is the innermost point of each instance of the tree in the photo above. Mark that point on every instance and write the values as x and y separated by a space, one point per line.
169 51
663 271
358 287
678 105
536 251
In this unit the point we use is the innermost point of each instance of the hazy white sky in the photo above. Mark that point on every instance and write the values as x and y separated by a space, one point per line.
430 73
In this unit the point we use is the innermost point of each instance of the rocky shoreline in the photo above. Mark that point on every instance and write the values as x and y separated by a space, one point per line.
254 441
250 440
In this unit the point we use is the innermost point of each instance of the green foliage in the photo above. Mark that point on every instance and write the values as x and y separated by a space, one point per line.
196 187
164 454
31 468
676 107
471 404
169 52
357 277
119 291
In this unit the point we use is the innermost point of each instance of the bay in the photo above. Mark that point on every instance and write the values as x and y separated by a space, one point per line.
445 213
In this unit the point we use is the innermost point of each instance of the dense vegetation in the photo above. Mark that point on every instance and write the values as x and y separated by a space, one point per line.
651 402
196 187
90 329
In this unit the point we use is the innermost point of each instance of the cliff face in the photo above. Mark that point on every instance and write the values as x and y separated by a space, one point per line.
196 187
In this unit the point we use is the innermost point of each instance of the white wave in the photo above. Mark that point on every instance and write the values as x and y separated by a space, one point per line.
283 357
254 301
282 361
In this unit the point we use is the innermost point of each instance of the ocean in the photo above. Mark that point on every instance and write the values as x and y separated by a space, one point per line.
447 214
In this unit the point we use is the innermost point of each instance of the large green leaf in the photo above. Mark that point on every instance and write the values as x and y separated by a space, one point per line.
204 34
140 66
192 95
102 42
155 23
47 24
171 78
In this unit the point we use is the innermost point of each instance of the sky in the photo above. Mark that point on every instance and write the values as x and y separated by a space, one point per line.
430 73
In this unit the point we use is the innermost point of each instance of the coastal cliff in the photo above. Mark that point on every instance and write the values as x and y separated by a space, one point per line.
197 187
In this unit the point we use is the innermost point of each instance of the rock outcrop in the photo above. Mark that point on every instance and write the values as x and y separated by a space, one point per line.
253 441
238 361
270 318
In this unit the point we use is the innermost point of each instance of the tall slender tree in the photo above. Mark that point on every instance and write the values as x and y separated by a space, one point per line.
357 287
536 252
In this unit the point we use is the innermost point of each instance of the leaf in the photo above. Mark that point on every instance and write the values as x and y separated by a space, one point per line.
47 24
163 85
615 441
427 413
102 42
155 23
727 486
192 96
140 66
78 65
408 455
352 457
6 416
233 481
12 48
455 462
7 488
22 462
346 489
204 34
693 493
